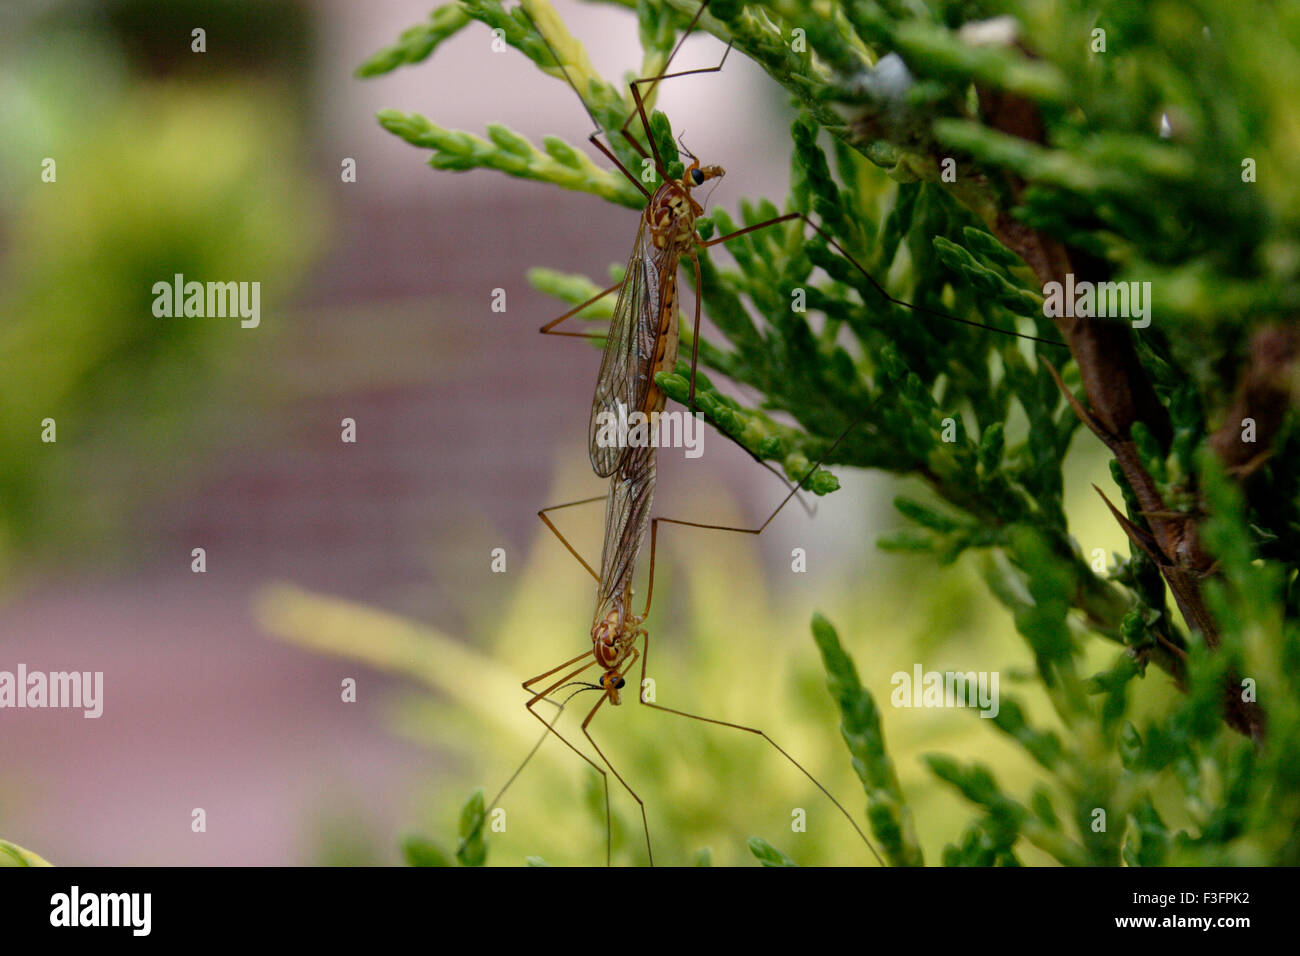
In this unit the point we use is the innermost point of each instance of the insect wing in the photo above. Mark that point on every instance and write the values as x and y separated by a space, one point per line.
626 365
627 516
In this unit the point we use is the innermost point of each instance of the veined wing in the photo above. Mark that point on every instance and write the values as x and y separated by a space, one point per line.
627 516
627 365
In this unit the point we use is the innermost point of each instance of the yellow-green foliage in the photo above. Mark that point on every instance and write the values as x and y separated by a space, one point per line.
11 854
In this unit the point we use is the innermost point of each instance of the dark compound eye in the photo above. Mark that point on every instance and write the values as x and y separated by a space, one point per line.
697 177
619 685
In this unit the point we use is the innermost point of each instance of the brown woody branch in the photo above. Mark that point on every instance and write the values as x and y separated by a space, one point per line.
1120 394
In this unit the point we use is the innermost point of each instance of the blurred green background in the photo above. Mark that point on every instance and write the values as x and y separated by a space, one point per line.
371 560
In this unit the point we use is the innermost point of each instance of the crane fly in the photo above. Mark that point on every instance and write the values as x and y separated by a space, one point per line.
644 329
643 333
617 628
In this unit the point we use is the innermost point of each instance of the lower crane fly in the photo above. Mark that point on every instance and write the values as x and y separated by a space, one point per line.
617 627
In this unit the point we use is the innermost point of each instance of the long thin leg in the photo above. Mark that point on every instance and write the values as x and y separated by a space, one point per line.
870 278
528 684
635 796
690 28
654 522
690 398
550 729
640 109
672 76
551 688
645 660
695 329
609 153
645 122
654 81
565 541
593 138
546 329
609 831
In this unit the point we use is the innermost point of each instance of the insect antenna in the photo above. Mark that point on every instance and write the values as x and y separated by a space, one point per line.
681 141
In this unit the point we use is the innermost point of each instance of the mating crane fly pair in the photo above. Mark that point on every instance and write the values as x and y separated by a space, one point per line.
642 341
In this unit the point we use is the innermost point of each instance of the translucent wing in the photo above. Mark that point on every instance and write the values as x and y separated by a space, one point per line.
627 515
626 367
